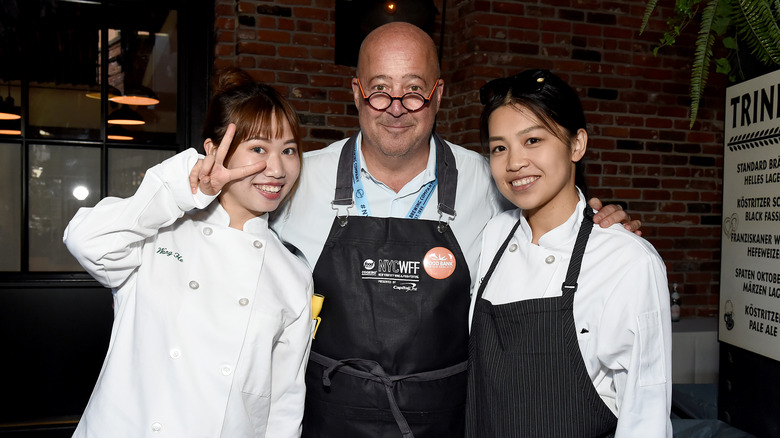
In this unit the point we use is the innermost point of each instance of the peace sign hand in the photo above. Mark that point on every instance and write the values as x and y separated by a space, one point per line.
211 175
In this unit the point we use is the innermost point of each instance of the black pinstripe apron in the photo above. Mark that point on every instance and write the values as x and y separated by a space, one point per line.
527 377
390 355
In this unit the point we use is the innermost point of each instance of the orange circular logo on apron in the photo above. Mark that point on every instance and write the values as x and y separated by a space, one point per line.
439 263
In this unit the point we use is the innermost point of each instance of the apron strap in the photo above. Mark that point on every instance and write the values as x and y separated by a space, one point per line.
371 370
343 196
496 259
483 283
570 284
446 172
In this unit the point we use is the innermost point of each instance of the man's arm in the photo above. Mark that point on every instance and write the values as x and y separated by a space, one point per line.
613 214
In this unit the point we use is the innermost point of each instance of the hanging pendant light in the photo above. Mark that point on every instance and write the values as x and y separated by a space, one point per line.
139 95
119 137
125 116
8 111
135 92
94 92
10 127
118 133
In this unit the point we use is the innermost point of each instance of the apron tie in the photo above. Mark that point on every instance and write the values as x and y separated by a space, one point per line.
377 371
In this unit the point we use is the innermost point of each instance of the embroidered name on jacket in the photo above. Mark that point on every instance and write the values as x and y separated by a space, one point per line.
168 253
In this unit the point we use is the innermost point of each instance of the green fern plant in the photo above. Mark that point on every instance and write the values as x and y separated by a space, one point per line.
753 23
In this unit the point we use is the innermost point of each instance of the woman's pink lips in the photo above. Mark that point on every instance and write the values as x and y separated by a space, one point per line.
526 186
269 195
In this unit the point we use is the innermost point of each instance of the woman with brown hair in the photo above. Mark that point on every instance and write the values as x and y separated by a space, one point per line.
212 314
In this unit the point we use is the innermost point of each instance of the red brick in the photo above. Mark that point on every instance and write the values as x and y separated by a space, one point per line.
255 48
293 52
321 54
266 22
244 34
624 194
316 14
654 122
225 23
615 132
246 7
285 24
587 29
264 76
273 36
292 78
224 50
226 37
701 137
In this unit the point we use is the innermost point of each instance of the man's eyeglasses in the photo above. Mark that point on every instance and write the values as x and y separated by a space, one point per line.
412 101
529 81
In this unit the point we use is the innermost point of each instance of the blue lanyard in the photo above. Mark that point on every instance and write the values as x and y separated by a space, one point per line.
362 202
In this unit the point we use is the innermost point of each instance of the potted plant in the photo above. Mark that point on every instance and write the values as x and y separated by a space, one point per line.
738 24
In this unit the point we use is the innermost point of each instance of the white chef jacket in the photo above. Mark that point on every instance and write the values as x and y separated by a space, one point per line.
212 325
307 218
622 301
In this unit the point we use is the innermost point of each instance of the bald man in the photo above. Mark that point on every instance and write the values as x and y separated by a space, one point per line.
390 220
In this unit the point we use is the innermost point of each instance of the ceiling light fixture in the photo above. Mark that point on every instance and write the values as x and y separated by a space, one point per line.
137 96
117 132
135 92
125 116
119 137
10 127
7 109
94 92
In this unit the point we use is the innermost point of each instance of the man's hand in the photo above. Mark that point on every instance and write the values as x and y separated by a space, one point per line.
614 214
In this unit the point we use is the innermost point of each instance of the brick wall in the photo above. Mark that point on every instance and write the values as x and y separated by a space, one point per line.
642 151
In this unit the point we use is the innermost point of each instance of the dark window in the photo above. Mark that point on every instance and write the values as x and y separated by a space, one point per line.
72 131
62 66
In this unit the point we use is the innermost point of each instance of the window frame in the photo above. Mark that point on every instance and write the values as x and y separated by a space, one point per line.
195 51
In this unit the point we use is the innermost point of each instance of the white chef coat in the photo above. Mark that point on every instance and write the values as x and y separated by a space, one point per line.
307 219
212 325
622 305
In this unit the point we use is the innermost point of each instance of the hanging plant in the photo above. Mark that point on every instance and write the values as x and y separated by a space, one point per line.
752 23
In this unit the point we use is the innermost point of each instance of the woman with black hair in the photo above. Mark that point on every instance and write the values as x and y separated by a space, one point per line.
570 332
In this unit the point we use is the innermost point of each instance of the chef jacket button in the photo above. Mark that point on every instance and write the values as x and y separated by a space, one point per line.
194 284
207 231
226 370
175 353
258 244
156 427
243 301
549 259
513 247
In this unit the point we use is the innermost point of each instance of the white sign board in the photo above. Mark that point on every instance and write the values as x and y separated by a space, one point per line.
750 261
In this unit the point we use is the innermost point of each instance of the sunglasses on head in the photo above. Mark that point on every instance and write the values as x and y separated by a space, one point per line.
529 81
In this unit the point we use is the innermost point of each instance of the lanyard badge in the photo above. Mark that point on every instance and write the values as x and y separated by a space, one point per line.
362 202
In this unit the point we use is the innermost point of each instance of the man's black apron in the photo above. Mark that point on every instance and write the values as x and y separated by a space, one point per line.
390 356
527 377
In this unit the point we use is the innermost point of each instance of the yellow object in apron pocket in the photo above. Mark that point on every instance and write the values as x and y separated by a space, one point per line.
316 307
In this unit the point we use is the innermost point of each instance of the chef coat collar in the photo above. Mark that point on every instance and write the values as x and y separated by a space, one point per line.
215 214
563 235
